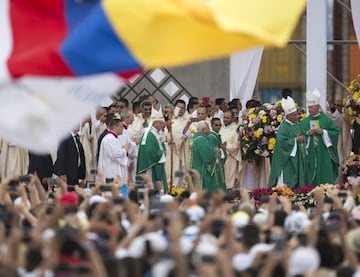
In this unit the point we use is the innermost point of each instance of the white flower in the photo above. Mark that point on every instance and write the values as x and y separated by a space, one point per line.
262 112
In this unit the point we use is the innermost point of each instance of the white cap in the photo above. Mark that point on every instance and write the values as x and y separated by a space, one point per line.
195 213
157 241
96 199
162 268
243 261
186 241
260 219
207 245
304 260
288 105
193 196
313 97
296 222
166 198
240 219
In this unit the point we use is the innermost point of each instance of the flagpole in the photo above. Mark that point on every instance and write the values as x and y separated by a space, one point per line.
169 126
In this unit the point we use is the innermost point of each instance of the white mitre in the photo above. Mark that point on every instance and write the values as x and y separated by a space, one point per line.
288 105
313 97
156 115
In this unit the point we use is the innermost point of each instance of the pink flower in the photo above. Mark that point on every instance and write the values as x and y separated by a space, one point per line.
264 141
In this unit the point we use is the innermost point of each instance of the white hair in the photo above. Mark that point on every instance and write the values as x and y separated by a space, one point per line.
201 125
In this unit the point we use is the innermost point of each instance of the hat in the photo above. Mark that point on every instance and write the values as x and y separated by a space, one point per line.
207 245
296 222
166 198
260 219
69 199
156 240
193 195
188 236
288 105
243 261
240 219
304 260
313 97
96 199
195 213
353 240
156 115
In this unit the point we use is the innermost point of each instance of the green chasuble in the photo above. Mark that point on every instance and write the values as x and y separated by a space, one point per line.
292 164
151 157
203 157
219 173
323 161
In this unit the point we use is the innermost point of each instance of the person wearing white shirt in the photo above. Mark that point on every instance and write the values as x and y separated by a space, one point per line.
113 160
127 118
220 107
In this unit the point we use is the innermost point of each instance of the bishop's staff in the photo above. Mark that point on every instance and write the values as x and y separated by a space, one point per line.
168 121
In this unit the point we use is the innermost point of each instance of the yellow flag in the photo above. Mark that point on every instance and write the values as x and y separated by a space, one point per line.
175 32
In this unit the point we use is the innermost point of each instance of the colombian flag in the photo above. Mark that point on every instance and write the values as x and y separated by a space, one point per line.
59 58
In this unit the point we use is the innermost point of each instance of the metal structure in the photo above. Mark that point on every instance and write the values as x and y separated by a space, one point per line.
338 58
158 82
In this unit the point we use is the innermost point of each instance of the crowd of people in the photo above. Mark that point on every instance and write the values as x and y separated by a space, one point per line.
103 204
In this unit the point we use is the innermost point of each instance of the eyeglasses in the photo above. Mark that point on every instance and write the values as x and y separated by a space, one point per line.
338 105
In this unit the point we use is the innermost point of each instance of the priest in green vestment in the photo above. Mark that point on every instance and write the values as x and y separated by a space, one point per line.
321 143
215 139
151 156
204 156
289 163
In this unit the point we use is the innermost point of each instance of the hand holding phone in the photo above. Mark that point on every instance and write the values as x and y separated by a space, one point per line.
280 241
139 180
51 181
93 171
179 174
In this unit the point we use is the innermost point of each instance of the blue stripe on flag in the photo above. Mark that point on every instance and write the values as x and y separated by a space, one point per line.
76 11
97 51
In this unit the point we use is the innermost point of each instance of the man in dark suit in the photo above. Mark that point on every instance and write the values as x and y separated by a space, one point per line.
70 162
42 165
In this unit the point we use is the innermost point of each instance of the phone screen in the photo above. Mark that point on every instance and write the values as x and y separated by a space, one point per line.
138 180
124 191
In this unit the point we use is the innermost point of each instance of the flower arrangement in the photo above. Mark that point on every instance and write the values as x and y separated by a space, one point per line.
176 191
298 195
304 196
352 101
351 165
282 191
258 133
